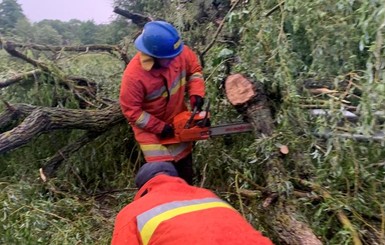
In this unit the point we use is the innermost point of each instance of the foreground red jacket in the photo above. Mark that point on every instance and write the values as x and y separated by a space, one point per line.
172 212
150 98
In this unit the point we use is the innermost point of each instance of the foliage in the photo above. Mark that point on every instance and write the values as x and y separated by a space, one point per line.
286 46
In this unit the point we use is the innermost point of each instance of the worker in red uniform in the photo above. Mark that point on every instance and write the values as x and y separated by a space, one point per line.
166 210
153 90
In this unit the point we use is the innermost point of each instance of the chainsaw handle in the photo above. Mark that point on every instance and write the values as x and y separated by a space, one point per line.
187 125
207 113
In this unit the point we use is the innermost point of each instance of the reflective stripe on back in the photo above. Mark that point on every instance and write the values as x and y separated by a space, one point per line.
148 221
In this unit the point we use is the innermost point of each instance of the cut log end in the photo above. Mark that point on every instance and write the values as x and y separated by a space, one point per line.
239 89
250 100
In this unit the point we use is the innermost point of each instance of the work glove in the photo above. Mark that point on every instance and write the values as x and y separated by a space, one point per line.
167 132
196 101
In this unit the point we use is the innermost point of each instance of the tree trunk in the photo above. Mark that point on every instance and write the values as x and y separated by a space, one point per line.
250 100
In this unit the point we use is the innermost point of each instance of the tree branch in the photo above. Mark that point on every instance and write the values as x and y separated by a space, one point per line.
344 220
14 112
55 161
78 48
19 77
10 47
43 119
137 19
217 31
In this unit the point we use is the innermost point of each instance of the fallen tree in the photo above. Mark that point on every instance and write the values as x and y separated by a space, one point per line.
278 207
281 193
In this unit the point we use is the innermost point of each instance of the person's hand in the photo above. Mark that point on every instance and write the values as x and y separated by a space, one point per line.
196 101
167 132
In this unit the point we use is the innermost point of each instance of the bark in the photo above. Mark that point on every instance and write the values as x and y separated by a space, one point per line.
13 113
44 119
279 214
250 100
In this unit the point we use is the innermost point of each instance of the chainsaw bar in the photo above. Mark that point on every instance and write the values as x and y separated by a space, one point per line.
230 129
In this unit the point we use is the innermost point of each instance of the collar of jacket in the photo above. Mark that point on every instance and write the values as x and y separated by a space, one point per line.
155 182
146 61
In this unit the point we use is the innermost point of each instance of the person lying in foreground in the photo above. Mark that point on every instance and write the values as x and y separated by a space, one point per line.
167 210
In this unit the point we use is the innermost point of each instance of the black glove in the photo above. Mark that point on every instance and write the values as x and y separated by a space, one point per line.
196 101
167 132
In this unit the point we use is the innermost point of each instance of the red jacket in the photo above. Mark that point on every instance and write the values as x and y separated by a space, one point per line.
173 212
150 98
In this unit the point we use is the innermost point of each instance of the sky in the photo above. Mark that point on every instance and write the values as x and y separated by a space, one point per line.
100 11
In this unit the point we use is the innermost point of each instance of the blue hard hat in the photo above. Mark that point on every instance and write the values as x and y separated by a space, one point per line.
159 39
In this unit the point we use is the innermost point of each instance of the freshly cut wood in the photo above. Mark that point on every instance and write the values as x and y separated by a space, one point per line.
250 100
239 90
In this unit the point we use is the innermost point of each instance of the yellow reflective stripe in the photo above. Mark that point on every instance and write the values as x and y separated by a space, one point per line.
152 224
180 84
161 150
149 147
154 150
177 44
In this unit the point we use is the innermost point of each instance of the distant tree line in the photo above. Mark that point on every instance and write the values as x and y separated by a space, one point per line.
14 24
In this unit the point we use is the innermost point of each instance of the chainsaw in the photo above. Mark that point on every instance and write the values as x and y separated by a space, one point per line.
192 126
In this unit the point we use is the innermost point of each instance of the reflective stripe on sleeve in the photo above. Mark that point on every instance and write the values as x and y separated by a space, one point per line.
148 221
143 119
195 75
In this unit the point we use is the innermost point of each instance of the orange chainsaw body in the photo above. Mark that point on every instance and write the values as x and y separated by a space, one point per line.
188 127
